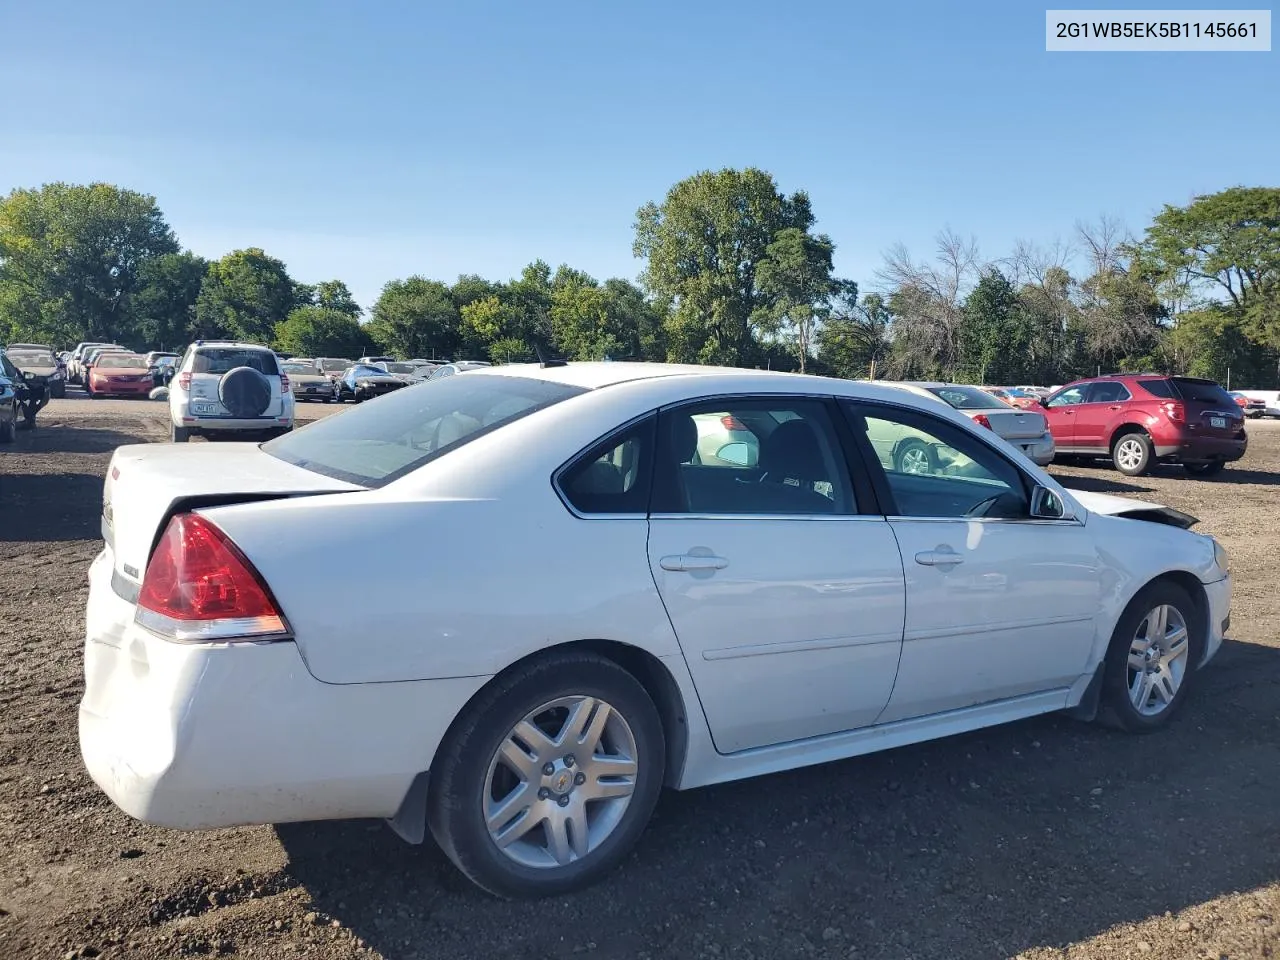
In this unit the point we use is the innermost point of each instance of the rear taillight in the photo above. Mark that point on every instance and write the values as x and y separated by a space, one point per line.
730 422
1175 411
184 381
981 420
284 383
199 587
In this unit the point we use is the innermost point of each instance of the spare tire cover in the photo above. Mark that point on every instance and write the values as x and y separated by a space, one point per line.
244 392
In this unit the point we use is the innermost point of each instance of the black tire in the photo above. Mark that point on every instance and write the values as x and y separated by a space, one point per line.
461 766
1137 443
181 434
1115 708
1210 469
909 451
59 390
9 429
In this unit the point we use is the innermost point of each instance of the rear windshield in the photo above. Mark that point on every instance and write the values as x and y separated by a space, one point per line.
1202 391
968 398
221 359
333 366
376 443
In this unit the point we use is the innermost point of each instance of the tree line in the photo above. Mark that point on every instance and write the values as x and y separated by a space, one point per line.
734 273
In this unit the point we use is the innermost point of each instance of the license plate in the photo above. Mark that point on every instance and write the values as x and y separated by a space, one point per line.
1219 423
203 408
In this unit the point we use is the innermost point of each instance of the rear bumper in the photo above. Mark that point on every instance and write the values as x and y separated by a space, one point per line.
1203 450
1039 451
213 735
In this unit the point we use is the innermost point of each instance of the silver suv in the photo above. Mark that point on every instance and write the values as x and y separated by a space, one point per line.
229 390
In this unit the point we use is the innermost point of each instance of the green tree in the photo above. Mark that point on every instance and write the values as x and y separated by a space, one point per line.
335 295
1223 247
1214 343
416 317
703 245
164 307
314 331
494 326
637 323
854 341
244 295
995 331
70 258
796 277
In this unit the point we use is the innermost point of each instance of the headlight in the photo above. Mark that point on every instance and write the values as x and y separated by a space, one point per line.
29 375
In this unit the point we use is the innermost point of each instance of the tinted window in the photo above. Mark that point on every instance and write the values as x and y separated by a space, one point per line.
613 476
1068 397
218 360
968 398
936 469
1202 391
1108 391
1158 388
774 457
377 443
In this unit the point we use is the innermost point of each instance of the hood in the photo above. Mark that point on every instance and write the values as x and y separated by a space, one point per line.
146 483
1133 509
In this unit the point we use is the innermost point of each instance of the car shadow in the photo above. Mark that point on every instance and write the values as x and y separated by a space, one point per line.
1036 834
1232 475
1098 484
50 507
57 437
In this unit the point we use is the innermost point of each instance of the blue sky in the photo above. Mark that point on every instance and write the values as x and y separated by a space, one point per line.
371 140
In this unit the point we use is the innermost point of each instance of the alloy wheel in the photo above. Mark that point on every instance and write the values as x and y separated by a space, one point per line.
915 460
559 783
1129 453
1158 659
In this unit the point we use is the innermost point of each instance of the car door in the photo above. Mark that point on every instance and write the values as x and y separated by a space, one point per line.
784 586
1060 412
999 605
1102 405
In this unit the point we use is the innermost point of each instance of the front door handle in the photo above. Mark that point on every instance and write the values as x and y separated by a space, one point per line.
941 557
688 561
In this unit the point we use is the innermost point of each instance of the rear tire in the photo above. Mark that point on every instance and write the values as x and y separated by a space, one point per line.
1132 454
914 456
181 434
9 429
471 766
1127 705
1210 469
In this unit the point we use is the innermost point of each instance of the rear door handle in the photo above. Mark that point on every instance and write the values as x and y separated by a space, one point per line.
687 562
942 557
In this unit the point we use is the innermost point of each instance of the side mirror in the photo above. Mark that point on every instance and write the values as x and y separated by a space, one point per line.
1043 401
1047 505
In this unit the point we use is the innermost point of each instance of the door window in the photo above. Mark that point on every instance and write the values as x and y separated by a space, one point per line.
613 476
1108 392
1068 397
753 457
937 469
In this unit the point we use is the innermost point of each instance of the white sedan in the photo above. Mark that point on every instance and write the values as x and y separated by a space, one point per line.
607 615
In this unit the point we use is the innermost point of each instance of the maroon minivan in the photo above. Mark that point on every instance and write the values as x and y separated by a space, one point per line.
1136 420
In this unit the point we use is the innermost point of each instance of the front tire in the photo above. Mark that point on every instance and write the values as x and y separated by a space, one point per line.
546 780
1132 454
1151 662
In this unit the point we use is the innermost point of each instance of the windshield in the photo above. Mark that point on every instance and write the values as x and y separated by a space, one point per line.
333 366
219 360
1201 391
400 368
35 358
119 361
380 442
968 398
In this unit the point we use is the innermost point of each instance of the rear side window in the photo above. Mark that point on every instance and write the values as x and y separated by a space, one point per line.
1201 391
219 360
376 443
1158 388
613 476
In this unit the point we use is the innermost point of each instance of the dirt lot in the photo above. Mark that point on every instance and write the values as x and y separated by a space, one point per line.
1042 839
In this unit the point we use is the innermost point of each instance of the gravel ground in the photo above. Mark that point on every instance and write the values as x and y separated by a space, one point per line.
1045 838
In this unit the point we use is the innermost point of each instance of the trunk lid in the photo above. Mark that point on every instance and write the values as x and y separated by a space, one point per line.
147 483
1014 424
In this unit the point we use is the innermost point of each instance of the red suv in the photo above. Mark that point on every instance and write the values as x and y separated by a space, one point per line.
1138 419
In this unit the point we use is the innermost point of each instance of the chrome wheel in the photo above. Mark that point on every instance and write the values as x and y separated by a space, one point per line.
1158 659
1129 453
560 782
914 459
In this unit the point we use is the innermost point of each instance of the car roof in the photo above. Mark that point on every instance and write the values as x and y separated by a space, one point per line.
236 344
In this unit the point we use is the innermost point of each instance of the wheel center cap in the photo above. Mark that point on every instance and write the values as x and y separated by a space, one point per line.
562 781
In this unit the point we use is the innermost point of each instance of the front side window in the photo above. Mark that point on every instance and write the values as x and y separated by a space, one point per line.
936 469
752 457
613 476
374 444
1068 397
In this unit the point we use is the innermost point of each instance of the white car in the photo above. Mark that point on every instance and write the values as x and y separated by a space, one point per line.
231 391
607 616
